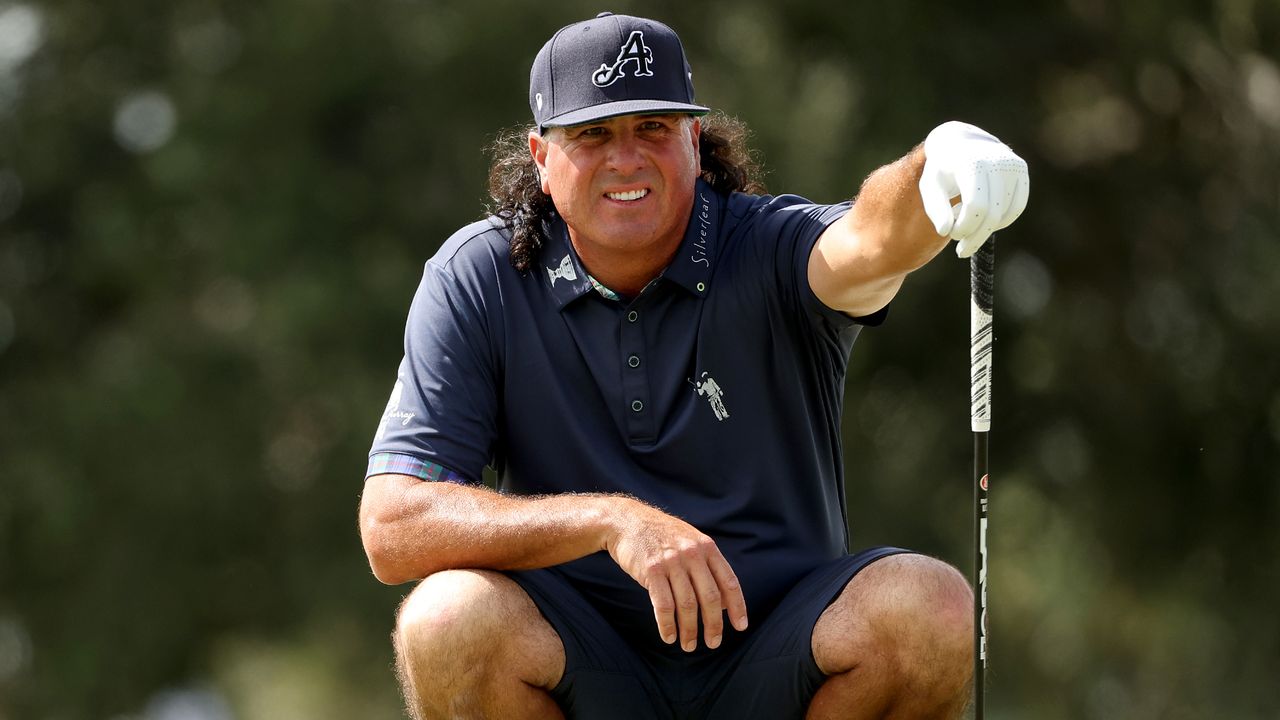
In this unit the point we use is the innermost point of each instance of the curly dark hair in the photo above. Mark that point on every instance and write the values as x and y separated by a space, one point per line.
516 191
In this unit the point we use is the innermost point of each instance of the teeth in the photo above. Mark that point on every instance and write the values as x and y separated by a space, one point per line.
629 195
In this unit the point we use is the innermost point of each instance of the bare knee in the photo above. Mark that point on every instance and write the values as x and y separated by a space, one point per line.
932 617
912 612
449 606
464 631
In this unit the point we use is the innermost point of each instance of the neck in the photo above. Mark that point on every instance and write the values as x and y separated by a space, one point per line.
625 273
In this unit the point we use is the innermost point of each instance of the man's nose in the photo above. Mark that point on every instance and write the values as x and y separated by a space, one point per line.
625 156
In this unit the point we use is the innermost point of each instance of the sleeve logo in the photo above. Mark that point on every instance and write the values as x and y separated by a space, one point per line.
393 411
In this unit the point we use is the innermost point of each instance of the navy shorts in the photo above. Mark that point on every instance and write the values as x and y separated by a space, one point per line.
766 672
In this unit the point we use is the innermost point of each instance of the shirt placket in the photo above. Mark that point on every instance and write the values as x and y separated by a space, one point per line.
639 411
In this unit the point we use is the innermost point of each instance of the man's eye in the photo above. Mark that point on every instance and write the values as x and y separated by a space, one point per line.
592 132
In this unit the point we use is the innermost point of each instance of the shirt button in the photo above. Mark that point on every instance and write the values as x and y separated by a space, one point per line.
633 316
634 361
637 406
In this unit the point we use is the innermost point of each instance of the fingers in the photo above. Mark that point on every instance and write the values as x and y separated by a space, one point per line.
993 212
1020 195
705 589
967 247
664 606
730 591
997 205
717 590
936 190
685 575
709 598
686 610
975 194
676 605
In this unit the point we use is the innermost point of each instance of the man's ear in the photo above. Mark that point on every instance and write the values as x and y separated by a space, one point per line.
695 129
538 149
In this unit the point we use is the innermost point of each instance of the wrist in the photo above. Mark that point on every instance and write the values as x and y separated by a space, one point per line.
609 514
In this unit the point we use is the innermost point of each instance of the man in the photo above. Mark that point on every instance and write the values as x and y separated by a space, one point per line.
654 365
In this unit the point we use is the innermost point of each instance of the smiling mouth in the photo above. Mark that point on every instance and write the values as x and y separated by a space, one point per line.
628 196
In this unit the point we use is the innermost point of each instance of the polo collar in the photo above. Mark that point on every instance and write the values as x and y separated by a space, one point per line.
560 267
690 268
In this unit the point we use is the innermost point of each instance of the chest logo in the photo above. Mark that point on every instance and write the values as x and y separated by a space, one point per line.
565 271
633 50
711 390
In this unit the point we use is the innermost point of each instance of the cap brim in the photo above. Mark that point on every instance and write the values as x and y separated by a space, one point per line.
623 107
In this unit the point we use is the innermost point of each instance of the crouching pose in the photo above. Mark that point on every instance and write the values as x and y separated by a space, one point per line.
651 354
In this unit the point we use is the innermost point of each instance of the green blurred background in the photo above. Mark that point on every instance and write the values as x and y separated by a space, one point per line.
214 213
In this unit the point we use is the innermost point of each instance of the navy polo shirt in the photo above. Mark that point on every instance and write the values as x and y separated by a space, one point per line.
715 394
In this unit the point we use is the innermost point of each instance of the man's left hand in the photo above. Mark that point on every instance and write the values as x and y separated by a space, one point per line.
991 181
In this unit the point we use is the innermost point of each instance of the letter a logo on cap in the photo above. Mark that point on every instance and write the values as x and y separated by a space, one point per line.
633 50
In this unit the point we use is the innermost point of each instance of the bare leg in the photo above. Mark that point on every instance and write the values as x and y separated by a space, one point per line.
470 644
896 644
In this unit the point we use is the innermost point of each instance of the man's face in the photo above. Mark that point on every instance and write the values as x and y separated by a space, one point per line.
623 184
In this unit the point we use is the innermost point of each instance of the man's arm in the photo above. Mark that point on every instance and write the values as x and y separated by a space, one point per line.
412 528
903 216
860 261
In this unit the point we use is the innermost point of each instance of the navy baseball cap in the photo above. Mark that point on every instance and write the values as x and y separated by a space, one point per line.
610 65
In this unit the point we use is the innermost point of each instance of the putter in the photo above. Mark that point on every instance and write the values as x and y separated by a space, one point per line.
981 343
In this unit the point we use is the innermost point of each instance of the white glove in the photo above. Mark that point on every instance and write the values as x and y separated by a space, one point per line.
990 179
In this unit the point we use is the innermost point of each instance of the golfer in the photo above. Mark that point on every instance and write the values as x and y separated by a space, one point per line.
651 355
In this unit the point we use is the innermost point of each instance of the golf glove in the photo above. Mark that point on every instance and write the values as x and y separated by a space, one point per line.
990 179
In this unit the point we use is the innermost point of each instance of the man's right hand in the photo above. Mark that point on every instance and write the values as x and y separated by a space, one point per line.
683 571
992 182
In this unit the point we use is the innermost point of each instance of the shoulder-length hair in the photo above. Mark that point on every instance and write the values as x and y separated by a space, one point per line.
516 191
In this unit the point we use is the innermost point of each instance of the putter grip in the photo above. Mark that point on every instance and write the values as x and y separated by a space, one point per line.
982 275
981 333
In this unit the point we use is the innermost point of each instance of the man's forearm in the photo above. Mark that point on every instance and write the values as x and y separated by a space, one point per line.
412 528
861 260
889 220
